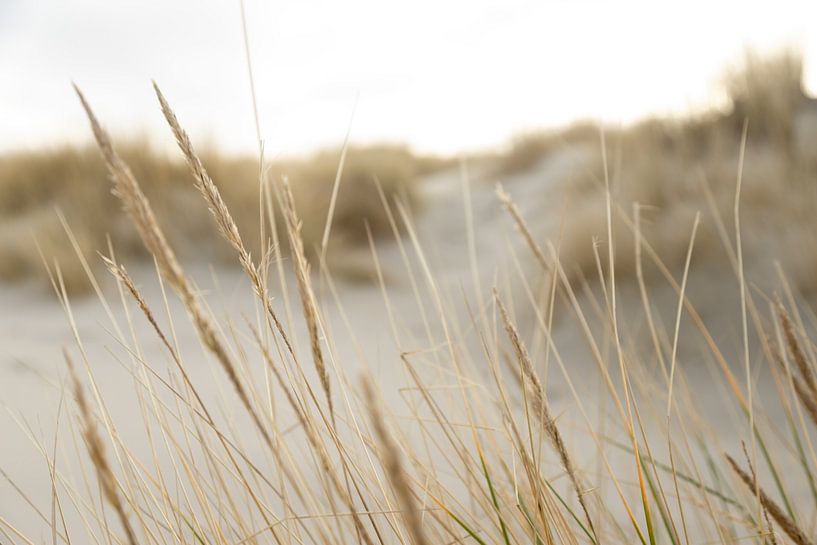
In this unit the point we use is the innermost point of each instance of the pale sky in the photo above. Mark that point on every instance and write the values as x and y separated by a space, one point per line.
442 76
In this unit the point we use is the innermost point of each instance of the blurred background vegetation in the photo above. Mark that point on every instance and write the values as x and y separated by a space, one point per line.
676 167
39 187
673 167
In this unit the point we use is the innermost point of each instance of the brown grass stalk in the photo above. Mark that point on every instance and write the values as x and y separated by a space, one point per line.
796 351
394 468
305 292
509 205
229 231
221 214
96 451
541 408
204 183
786 524
138 208
314 440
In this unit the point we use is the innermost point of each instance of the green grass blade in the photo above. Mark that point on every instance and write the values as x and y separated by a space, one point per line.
526 512
471 532
686 478
494 499
572 513
661 509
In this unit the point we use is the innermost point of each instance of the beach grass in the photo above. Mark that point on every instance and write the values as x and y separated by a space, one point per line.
462 439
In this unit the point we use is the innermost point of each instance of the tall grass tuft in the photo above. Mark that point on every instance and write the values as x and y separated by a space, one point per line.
494 418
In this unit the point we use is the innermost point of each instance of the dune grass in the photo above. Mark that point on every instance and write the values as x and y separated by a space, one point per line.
673 168
474 451
37 187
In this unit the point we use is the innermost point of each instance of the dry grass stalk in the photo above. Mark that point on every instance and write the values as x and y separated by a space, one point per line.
508 203
305 288
96 451
138 208
315 442
229 231
211 194
541 408
771 534
221 213
394 468
806 397
804 384
122 274
796 351
786 524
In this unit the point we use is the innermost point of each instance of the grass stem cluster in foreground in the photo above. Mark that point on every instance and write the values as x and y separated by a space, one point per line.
469 445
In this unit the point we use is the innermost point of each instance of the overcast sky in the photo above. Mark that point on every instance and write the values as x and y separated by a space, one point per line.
440 75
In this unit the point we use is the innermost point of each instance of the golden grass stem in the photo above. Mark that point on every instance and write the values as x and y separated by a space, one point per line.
394 468
786 524
305 288
541 408
96 451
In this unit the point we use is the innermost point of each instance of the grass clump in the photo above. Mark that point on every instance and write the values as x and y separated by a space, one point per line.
674 168
526 151
768 91
74 181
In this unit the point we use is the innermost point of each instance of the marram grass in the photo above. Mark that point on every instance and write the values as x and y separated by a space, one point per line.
483 457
